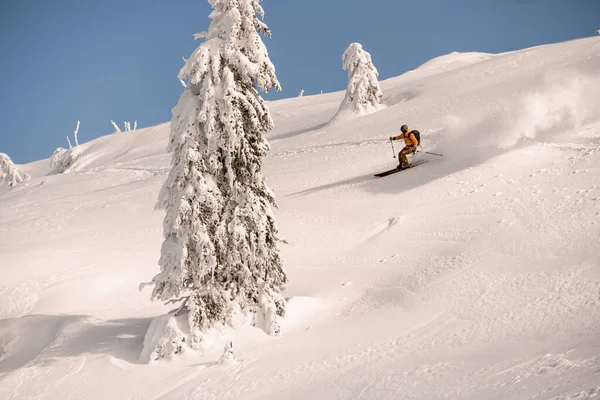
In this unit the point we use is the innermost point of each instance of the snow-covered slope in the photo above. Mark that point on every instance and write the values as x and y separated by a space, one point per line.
473 276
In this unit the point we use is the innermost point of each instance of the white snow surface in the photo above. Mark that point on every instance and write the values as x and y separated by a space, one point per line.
473 276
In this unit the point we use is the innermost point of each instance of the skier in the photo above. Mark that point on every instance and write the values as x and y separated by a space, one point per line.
410 141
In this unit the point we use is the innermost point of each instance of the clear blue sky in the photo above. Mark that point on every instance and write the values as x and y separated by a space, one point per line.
64 60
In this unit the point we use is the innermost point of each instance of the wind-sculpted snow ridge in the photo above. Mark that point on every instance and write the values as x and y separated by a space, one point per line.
453 60
473 276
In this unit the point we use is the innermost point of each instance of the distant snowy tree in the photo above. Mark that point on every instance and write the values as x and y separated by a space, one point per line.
363 94
9 174
301 93
63 159
220 251
598 31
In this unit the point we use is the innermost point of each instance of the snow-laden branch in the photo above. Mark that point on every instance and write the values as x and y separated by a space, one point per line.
114 124
75 133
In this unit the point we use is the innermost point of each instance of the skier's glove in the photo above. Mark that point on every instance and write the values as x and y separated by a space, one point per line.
414 151
392 138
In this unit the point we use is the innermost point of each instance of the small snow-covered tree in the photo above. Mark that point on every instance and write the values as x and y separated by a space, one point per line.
220 251
301 93
9 174
363 94
63 159
228 358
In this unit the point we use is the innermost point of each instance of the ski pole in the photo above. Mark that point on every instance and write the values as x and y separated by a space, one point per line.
427 152
393 151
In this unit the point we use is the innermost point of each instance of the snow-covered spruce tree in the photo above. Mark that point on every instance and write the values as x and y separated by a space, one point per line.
9 173
220 251
363 94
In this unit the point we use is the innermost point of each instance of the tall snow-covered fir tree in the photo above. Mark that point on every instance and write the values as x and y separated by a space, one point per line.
220 250
9 174
363 94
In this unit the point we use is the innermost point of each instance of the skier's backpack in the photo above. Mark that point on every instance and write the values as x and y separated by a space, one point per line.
418 136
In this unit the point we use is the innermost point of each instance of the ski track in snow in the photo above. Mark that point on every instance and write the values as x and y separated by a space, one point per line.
475 276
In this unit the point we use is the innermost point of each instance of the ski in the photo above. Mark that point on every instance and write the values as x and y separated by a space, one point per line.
393 171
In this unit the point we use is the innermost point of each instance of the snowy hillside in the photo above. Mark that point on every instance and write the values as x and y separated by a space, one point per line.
473 276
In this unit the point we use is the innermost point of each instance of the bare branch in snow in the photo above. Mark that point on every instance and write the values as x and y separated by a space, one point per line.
117 129
75 133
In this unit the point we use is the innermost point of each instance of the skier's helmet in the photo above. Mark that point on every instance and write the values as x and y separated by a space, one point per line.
404 128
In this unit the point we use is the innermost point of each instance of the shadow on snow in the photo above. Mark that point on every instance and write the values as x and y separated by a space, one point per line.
42 339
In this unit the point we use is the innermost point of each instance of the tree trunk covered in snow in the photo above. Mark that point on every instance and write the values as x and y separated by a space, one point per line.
220 244
363 94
